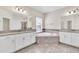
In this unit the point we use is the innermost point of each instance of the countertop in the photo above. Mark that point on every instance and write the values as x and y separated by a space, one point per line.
3 33
72 31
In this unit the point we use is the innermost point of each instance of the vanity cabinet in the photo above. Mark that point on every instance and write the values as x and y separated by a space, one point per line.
30 38
65 37
19 41
14 42
23 40
75 39
7 44
69 38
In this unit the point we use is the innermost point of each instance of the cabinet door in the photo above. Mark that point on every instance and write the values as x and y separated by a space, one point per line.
75 39
7 44
19 41
32 37
25 39
29 38
65 37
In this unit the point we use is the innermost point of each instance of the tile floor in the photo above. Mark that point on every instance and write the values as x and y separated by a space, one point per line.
49 45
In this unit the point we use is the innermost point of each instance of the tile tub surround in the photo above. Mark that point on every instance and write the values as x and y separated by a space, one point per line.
49 45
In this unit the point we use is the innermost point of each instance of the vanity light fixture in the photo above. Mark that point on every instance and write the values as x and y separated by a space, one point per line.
74 11
16 8
20 10
77 9
69 12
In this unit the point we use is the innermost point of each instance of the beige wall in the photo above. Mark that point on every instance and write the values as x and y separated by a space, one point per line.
34 13
54 18
7 11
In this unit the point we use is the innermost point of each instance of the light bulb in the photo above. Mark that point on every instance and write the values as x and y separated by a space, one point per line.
24 11
16 9
21 10
72 12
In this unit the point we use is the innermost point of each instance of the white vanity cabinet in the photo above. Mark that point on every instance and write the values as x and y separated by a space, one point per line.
29 38
69 38
19 41
7 44
14 42
65 37
75 39
24 40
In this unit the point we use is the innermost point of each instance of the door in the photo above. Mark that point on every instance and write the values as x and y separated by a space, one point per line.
38 24
7 44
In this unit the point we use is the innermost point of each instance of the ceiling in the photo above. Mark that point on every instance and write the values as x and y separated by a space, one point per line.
46 9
